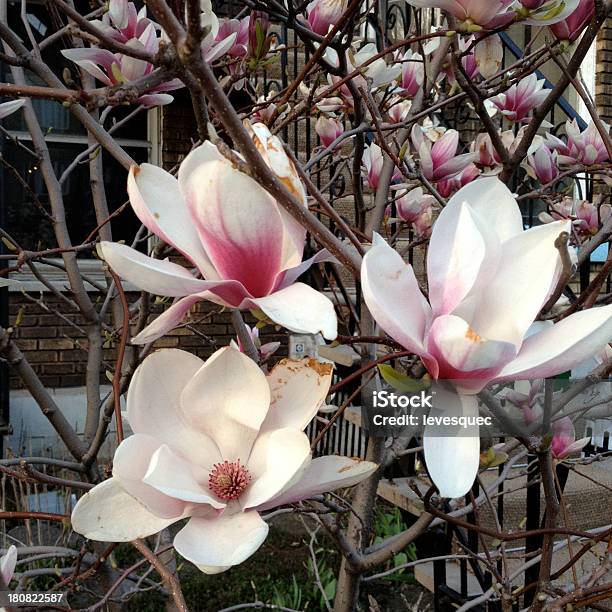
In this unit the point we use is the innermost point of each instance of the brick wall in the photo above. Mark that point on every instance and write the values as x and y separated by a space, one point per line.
603 73
58 351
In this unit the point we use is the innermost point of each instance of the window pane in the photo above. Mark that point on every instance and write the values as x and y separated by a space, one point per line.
28 224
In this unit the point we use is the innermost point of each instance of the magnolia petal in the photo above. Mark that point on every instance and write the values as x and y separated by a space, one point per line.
130 464
513 297
278 457
214 400
324 474
108 514
454 166
157 201
464 356
203 154
292 274
158 99
393 296
166 321
7 564
6 108
547 16
459 248
172 475
214 545
90 58
225 293
160 277
243 236
494 204
153 404
559 348
298 388
118 12
446 446
300 309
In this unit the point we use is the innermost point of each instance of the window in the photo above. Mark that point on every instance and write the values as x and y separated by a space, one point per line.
66 140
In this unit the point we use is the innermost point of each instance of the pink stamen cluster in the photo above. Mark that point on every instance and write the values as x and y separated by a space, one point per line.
228 480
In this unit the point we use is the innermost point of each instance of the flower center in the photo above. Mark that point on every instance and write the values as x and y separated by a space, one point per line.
228 480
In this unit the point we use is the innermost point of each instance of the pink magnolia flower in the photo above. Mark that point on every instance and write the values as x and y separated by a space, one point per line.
412 204
480 13
123 21
521 98
423 224
439 161
372 163
468 61
564 441
413 74
247 249
542 165
8 108
324 14
239 27
265 350
399 109
449 186
8 561
528 398
585 147
215 442
571 27
328 129
117 68
484 293
591 217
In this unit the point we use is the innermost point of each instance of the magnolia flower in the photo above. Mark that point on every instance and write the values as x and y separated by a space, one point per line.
423 224
521 98
475 15
324 14
118 69
372 163
468 61
527 396
449 186
572 26
413 74
542 165
440 161
239 27
564 441
123 21
328 129
247 248
412 204
217 443
479 13
265 350
378 72
484 293
585 147
591 217
398 110
7 108
487 153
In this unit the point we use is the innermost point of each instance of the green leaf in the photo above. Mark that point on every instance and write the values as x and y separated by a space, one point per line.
400 381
